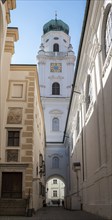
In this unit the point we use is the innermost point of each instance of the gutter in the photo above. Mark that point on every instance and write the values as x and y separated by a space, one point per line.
78 59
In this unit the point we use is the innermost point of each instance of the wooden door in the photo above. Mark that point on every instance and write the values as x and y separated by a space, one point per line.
11 185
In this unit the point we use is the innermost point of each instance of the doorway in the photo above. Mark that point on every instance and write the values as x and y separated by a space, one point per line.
55 192
11 185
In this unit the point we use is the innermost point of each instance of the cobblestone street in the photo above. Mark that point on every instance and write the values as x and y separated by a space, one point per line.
56 213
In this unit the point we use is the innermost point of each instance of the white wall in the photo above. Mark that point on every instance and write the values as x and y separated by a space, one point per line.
92 146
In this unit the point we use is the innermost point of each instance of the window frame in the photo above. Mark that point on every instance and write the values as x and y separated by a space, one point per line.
88 91
13 138
103 31
55 47
54 181
55 88
55 193
108 28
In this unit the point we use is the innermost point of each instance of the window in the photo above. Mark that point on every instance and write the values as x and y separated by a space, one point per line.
71 142
108 31
54 181
40 188
40 160
54 193
55 88
88 92
55 162
56 48
13 138
56 38
55 124
78 123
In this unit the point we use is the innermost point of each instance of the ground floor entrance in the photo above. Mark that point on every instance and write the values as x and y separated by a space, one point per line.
11 185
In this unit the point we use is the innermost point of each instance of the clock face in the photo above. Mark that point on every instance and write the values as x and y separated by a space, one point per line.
56 67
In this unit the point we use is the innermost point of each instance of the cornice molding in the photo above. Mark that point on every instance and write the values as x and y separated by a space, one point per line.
9 5
9 47
56 77
9 44
20 67
13 32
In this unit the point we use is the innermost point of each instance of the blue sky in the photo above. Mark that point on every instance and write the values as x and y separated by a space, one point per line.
30 17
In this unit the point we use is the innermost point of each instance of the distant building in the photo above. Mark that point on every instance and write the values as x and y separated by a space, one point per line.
22 138
55 190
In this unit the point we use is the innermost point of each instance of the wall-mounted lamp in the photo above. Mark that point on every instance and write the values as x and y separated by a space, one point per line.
77 92
76 166
67 136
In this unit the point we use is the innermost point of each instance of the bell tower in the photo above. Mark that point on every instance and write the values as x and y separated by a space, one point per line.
56 71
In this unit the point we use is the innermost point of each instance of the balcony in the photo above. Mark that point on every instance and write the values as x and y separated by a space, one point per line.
56 54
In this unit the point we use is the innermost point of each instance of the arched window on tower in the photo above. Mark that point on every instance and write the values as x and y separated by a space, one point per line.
56 48
55 162
55 124
55 88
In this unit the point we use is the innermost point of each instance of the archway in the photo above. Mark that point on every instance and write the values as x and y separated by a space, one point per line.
55 191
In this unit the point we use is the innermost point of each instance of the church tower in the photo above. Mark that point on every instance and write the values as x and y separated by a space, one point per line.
56 71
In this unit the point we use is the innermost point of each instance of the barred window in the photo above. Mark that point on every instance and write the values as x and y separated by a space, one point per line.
55 88
108 31
13 138
54 193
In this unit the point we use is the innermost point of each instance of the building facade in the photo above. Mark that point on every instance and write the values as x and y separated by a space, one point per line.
22 135
56 70
89 125
55 190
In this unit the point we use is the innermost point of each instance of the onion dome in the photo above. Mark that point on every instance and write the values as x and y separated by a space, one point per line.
55 25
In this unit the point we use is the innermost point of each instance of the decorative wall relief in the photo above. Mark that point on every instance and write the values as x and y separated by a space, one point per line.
12 155
14 116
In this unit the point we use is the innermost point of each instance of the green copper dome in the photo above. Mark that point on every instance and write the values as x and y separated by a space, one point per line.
55 25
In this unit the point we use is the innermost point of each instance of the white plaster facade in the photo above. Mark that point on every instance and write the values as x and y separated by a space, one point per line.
55 105
89 126
55 190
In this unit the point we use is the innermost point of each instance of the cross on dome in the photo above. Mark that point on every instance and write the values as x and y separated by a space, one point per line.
55 15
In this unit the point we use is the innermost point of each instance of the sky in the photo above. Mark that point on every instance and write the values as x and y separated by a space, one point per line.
31 15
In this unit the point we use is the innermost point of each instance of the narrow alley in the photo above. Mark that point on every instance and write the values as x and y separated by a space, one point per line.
56 213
